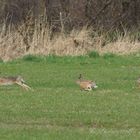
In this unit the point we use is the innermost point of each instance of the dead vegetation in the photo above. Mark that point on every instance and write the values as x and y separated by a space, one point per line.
15 42
68 27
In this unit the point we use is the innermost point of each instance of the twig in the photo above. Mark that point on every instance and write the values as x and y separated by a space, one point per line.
101 10
62 24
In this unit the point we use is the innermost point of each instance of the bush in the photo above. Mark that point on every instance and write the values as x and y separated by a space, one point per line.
108 55
32 58
93 54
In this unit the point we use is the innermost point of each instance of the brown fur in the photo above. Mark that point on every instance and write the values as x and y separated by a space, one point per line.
14 80
86 84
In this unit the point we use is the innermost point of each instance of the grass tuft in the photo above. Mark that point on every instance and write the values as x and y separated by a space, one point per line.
32 58
108 55
93 54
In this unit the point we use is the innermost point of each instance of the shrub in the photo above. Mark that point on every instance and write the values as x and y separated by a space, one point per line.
93 54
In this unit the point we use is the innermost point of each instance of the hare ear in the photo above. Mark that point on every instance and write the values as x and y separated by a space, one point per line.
19 76
21 79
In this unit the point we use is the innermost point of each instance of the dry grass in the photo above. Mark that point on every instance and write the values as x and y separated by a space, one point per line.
121 46
12 43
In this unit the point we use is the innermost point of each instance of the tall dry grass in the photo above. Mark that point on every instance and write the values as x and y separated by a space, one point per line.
14 40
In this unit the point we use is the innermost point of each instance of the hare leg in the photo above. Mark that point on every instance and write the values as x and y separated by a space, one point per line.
24 86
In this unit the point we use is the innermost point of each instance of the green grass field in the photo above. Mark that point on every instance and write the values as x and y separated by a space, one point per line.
58 110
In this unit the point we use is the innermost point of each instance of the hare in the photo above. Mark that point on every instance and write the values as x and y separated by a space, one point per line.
87 85
138 82
14 80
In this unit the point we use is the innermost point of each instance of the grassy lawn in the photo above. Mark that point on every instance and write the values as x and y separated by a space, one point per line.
58 110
